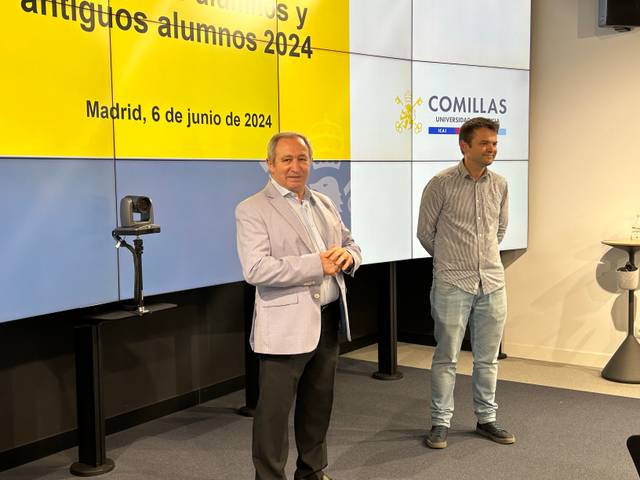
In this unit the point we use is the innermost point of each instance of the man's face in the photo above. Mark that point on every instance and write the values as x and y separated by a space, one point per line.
290 167
483 148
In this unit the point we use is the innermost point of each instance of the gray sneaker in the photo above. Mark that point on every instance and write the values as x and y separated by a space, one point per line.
437 437
499 435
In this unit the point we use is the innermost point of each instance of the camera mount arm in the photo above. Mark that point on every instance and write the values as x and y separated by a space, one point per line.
136 251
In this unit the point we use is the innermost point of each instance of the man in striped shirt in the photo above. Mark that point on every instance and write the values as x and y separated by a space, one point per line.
463 218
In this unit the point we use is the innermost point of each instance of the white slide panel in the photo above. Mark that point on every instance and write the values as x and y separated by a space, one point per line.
380 27
471 32
380 94
381 210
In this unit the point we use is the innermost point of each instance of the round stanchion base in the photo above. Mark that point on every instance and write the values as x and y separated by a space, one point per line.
84 470
387 376
246 411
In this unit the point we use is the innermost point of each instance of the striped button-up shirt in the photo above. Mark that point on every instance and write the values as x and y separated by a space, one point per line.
304 210
461 223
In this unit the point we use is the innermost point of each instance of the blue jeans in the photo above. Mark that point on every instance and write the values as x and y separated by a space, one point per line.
451 309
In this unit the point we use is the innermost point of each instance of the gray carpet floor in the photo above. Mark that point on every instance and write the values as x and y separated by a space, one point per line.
377 432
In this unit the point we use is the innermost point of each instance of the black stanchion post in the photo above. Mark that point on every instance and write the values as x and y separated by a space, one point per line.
92 453
251 362
388 335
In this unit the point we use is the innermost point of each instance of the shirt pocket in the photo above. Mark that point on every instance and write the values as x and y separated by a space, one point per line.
492 209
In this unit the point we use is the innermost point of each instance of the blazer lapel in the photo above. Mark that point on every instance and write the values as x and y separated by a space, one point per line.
286 210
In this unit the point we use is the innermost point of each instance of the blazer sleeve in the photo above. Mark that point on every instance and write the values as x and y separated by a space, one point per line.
259 267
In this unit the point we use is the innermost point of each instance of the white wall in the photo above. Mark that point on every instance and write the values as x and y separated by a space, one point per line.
584 186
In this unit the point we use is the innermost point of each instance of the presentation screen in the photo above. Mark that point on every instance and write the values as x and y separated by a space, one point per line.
177 99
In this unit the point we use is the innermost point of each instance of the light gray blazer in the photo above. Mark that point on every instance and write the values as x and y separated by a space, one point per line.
278 257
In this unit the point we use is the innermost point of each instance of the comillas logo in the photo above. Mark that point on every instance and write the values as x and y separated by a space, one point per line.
407 120
468 105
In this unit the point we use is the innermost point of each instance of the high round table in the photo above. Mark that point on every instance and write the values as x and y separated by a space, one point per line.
624 365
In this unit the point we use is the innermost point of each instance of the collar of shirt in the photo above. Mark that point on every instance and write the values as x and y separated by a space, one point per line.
465 173
288 193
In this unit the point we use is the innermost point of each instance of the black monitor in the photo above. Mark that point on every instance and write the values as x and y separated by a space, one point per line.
621 15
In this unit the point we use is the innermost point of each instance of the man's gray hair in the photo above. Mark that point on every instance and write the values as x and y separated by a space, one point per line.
273 143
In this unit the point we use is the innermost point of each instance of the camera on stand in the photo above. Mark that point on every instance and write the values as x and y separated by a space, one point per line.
136 218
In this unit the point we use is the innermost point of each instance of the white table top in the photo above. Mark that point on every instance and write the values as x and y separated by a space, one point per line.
622 243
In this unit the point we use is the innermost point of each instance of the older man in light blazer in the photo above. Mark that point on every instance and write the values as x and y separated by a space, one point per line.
294 248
